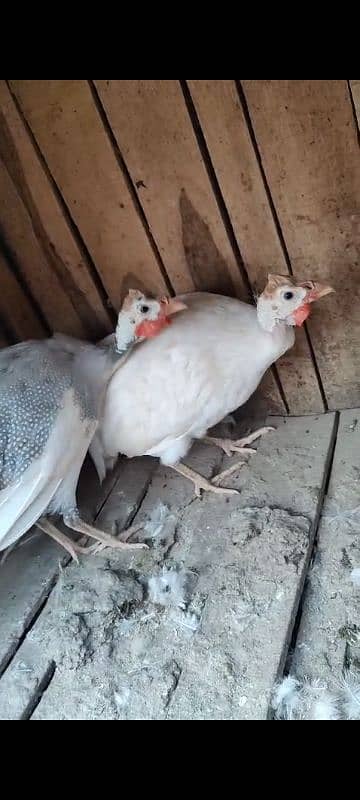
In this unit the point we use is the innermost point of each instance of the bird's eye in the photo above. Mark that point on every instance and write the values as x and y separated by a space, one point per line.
144 309
288 295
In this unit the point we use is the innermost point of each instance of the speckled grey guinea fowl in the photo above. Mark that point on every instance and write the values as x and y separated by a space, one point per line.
51 395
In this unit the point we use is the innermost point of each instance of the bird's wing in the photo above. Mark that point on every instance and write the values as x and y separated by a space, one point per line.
31 386
38 434
20 509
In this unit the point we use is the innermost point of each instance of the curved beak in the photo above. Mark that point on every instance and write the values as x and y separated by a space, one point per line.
171 305
317 290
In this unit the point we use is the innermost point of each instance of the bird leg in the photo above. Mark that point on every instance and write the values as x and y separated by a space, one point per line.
227 472
74 521
73 548
124 536
200 483
239 445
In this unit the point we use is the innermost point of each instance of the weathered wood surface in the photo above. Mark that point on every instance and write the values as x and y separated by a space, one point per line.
101 648
77 150
355 91
329 634
155 135
16 310
235 162
308 141
67 270
168 184
39 559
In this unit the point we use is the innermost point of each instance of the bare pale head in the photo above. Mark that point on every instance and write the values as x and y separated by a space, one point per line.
287 301
143 317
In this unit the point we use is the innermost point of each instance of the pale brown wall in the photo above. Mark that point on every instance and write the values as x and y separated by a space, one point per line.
175 185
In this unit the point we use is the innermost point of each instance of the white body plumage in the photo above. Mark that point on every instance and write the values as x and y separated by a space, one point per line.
176 387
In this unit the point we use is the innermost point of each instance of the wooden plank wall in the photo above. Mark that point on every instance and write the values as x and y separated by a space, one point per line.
176 185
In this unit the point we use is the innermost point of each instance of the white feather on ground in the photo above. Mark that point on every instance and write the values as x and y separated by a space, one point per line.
285 700
160 515
315 700
355 577
187 620
350 696
168 588
310 700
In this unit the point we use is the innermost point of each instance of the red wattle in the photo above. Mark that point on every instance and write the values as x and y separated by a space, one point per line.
151 327
301 314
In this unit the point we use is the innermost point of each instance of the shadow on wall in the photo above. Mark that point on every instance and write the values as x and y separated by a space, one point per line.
207 266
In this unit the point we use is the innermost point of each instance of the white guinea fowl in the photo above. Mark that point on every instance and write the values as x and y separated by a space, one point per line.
51 396
207 364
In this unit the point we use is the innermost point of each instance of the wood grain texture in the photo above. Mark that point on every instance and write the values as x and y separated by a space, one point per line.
355 91
234 159
40 563
156 138
308 142
243 563
68 202
51 228
21 240
328 640
16 310
77 150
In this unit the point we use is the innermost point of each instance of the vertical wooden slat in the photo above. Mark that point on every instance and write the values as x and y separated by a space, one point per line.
23 244
355 91
235 162
156 138
71 136
51 229
4 338
308 141
155 135
15 308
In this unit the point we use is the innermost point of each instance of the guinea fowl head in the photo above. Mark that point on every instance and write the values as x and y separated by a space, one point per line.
142 317
287 301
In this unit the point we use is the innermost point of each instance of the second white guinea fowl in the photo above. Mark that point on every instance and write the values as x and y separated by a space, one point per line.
207 364
51 397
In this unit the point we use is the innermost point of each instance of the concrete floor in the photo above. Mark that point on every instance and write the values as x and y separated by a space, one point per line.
232 591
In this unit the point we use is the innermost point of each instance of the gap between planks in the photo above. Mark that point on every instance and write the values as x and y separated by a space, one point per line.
49 672
224 213
278 227
99 496
285 664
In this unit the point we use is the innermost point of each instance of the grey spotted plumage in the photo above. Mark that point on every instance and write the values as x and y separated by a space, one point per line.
34 377
41 392
51 397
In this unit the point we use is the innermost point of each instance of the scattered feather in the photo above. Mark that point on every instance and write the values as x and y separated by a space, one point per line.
326 707
285 698
186 620
309 700
159 516
190 621
355 577
122 697
168 588
350 696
